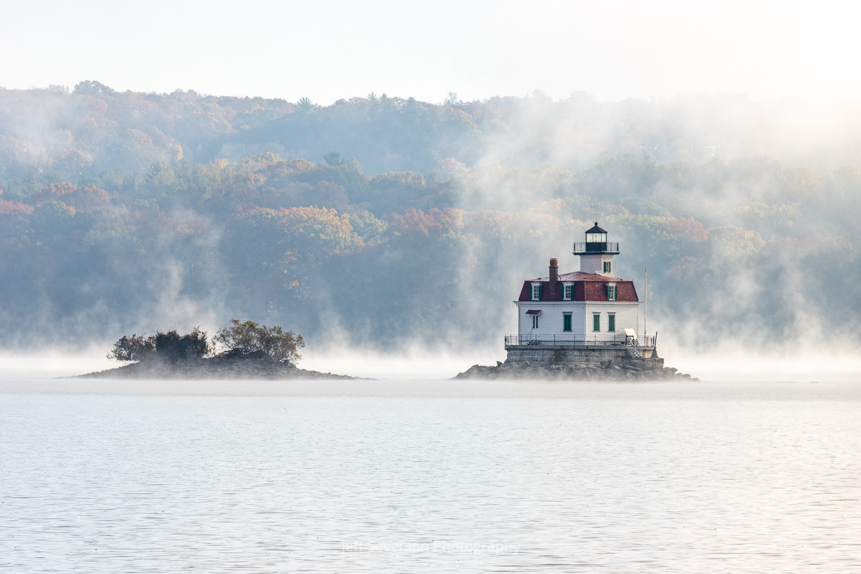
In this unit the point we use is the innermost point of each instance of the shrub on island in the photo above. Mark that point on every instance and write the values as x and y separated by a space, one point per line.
175 347
243 340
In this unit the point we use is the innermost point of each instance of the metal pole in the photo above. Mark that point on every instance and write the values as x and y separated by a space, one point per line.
645 302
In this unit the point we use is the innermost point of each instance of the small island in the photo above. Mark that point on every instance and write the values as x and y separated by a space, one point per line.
245 350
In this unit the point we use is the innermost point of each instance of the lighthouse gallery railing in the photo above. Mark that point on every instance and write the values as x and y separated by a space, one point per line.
605 247
583 340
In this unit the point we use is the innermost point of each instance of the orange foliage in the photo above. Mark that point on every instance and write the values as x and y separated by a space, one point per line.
10 207
318 230
90 198
686 228
56 190
415 222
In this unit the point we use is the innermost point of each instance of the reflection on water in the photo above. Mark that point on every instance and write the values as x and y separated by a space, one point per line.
419 477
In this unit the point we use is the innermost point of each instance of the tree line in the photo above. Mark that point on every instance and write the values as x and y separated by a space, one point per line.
137 236
752 246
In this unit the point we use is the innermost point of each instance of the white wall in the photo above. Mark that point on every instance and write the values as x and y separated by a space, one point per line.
627 316
550 320
595 264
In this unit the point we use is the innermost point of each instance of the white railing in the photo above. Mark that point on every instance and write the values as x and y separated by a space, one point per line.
585 340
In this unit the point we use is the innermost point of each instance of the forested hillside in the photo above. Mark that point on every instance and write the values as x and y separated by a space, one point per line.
384 222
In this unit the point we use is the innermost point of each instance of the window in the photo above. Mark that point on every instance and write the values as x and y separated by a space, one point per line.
611 292
536 292
569 292
612 324
608 267
566 321
596 322
535 321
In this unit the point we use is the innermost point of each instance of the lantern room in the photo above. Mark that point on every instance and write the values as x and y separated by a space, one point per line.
596 242
596 254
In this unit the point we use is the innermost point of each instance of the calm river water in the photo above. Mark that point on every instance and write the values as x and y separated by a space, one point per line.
425 476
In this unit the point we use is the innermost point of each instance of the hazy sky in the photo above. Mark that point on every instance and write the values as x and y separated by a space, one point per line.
327 50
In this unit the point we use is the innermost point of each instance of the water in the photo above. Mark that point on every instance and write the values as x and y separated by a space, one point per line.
258 477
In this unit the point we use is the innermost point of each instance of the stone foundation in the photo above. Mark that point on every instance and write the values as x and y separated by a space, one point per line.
578 355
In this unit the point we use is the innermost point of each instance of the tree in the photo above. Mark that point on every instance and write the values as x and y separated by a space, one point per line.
305 105
134 348
249 337
173 346
93 88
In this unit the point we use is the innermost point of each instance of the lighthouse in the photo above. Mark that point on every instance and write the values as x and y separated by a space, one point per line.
584 316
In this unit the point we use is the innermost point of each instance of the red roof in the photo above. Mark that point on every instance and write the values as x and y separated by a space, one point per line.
587 287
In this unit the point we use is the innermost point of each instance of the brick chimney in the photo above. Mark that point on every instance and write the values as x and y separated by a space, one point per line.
554 278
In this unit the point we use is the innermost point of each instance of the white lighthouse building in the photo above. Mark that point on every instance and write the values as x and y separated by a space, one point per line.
563 316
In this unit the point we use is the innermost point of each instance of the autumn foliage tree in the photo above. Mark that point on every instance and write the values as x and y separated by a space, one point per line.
249 337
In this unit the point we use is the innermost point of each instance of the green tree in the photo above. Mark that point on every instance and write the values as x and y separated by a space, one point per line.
174 347
134 348
93 88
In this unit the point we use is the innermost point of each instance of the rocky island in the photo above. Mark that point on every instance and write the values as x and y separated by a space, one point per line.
224 366
250 351
609 370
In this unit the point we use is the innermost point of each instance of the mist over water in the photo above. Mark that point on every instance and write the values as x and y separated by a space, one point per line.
419 364
402 264
417 228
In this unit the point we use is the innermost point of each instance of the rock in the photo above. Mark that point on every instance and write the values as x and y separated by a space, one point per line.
225 366
628 370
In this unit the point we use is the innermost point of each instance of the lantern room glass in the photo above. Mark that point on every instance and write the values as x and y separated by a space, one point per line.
596 238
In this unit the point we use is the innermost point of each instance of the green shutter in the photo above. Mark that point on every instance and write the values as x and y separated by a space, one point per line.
540 292
612 323
596 323
566 322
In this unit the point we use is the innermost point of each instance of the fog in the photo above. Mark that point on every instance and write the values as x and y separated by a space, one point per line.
48 372
132 222
398 257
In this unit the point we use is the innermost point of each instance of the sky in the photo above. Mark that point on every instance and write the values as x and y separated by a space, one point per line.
326 50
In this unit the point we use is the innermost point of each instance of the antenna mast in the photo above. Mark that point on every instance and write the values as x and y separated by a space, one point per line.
645 303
